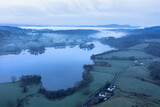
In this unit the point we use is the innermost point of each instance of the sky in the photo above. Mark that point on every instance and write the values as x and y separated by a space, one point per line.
80 12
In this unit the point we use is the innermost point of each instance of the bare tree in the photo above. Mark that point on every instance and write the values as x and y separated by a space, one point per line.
13 78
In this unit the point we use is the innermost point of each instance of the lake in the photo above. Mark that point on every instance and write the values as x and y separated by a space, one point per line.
59 68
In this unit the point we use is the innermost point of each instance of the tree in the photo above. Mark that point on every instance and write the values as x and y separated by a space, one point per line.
24 89
13 78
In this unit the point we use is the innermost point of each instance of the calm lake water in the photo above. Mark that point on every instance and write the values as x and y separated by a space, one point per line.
59 68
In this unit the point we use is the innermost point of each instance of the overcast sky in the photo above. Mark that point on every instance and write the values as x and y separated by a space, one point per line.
80 12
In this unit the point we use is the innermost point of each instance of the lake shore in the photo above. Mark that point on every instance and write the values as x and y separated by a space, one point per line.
103 74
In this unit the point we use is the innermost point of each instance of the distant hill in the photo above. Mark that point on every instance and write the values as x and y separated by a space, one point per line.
134 37
11 29
153 28
117 26
106 26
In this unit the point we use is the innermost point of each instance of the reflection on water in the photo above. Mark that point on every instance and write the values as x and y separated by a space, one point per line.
59 68
37 50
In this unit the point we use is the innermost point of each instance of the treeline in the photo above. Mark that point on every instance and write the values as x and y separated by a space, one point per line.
121 43
154 67
153 49
132 58
136 37
79 32
87 78
97 55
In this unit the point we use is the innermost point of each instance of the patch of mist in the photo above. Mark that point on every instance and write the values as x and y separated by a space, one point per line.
104 33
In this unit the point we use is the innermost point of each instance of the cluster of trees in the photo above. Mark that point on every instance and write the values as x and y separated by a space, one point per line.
30 79
154 67
97 55
57 94
121 43
60 44
37 50
87 78
153 49
114 58
88 68
86 46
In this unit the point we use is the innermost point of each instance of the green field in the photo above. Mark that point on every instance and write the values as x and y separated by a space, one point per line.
11 92
132 92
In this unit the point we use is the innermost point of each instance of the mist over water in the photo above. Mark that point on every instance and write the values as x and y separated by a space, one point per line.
103 31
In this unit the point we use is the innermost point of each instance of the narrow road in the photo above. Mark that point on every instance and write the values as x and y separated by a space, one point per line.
89 100
117 75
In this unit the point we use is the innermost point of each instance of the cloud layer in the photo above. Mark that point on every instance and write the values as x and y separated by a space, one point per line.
135 12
